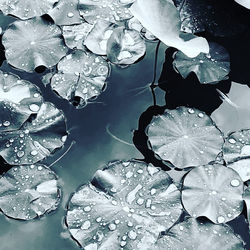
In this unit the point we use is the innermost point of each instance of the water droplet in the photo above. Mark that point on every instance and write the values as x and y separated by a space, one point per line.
132 235
20 154
34 107
112 227
6 123
86 225
235 183
34 152
70 14
87 209
220 219
232 141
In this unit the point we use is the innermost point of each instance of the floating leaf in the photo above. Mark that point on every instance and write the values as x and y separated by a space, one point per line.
27 192
66 13
74 35
127 205
247 201
18 100
184 136
236 104
96 40
125 46
36 139
162 19
209 68
81 77
221 18
213 191
113 11
26 9
192 234
33 43
237 146
244 3
242 167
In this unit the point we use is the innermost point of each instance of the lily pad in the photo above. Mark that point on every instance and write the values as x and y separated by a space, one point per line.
113 11
36 139
244 3
242 167
33 43
184 136
193 234
126 205
27 192
162 19
81 77
125 46
66 13
26 9
74 35
213 191
18 100
96 40
237 146
220 18
209 68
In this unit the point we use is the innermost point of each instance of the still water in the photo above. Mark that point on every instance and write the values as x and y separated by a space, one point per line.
120 107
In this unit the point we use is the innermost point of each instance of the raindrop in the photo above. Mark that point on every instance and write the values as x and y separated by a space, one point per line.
20 154
235 183
34 107
34 152
6 123
220 219
70 14
132 235
232 141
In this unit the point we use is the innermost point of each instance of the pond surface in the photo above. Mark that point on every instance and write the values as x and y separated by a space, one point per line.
119 109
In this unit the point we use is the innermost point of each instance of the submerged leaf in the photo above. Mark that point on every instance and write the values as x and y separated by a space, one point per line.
81 76
162 19
125 46
213 191
96 40
26 9
74 35
36 139
66 13
27 192
126 205
33 43
237 146
110 10
184 136
192 234
18 100
209 68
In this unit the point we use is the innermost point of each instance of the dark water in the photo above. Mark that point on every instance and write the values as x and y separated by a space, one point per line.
125 111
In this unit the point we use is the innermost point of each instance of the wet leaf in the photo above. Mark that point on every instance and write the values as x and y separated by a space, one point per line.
126 205
125 46
18 100
66 13
26 9
184 136
237 146
81 76
74 35
213 191
242 167
220 18
162 19
33 43
27 192
244 3
192 234
113 11
96 40
36 139
232 114
246 198
209 68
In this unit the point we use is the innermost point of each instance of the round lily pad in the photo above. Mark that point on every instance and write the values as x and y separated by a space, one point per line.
184 136
18 100
81 76
96 40
113 11
33 43
36 139
66 13
244 3
27 192
242 167
193 234
26 9
213 191
125 46
209 68
74 35
126 206
237 146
